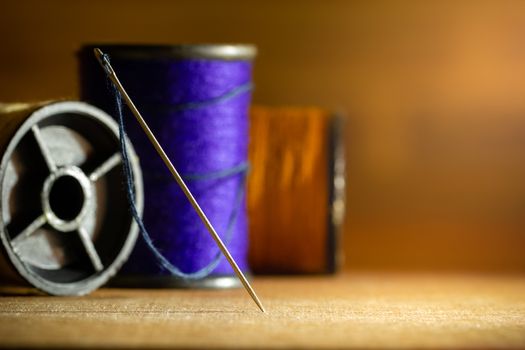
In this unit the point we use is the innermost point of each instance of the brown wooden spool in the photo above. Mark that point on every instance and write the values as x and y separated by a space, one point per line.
295 190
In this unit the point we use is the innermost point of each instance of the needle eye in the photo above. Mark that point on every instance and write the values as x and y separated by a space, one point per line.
103 59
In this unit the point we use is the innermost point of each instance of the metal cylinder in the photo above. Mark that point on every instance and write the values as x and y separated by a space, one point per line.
65 226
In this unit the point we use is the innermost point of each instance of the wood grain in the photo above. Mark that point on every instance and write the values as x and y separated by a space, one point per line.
350 311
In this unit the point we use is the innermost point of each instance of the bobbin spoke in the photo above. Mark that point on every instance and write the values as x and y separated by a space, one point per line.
43 149
28 231
90 249
105 167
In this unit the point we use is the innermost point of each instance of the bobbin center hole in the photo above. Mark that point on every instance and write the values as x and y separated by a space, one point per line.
66 197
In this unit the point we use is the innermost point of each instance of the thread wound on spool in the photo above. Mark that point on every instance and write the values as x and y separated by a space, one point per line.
165 263
197 108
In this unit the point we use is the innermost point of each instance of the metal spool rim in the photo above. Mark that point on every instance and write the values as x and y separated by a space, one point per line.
228 52
210 282
95 279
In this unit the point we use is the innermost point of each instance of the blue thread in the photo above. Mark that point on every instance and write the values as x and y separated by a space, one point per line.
213 101
242 168
128 174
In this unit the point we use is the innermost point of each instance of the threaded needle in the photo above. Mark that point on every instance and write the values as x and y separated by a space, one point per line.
104 62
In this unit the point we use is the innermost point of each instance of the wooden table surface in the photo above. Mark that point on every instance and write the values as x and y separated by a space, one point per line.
352 310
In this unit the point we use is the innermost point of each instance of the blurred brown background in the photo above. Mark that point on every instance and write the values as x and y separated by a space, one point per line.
434 91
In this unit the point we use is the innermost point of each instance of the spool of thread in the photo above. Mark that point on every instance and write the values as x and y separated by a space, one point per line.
296 156
64 227
195 98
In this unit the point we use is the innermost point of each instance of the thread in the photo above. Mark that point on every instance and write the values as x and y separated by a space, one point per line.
129 181
197 108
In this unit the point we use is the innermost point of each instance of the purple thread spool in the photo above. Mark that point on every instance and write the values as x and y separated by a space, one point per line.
178 90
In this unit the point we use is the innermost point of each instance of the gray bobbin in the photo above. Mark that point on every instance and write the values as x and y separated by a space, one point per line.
65 225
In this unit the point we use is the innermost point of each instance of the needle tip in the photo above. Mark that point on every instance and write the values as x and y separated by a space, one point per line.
262 309
259 304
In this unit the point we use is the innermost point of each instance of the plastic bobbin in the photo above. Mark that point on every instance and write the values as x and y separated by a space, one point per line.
65 225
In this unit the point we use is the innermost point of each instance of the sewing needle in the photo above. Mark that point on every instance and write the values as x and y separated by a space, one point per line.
104 62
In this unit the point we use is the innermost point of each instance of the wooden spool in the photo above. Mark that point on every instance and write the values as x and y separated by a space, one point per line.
295 190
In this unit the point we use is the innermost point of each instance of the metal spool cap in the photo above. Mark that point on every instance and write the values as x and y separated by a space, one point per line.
65 225
226 52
